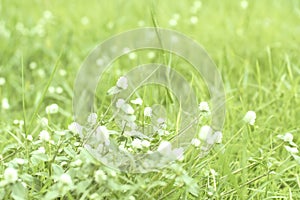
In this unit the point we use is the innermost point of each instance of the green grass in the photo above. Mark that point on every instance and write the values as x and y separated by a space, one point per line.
256 51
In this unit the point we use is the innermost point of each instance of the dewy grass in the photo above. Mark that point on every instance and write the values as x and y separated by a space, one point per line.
254 45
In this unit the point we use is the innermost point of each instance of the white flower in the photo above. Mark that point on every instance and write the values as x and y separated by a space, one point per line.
62 72
250 117
41 150
51 89
288 137
172 22
20 161
75 128
205 133
132 56
32 65
161 120
5 104
218 137
44 136
151 55
292 150
165 148
194 20
10 175
137 101
204 107
85 20
120 103
92 118
196 142
100 176
29 137
122 82
178 152
146 143
137 143
127 109
52 109
2 81
103 135
66 179
244 4
77 162
59 90
44 122
148 112
48 14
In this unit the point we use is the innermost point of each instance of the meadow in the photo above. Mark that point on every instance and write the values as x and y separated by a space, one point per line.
255 46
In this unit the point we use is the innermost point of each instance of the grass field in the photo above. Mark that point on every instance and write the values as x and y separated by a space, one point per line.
255 46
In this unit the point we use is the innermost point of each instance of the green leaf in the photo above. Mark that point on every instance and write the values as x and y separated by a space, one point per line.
82 186
51 195
70 151
57 170
19 192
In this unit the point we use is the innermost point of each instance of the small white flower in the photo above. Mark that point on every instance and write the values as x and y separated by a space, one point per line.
244 4
44 136
206 132
141 23
32 65
137 143
75 128
48 14
92 118
132 56
62 72
85 20
148 112
5 104
51 89
292 150
172 22
165 148
2 81
196 142
151 55
178 152
288 137
218 137
131 198
10 175
146 143
161 120
44 122
194 20
204 107
137 101
52 109
66 179
250 117
77 163
127 109
120 103
20 161
63 163
29 137
100 176
122 82
41 150
59 90
103 135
